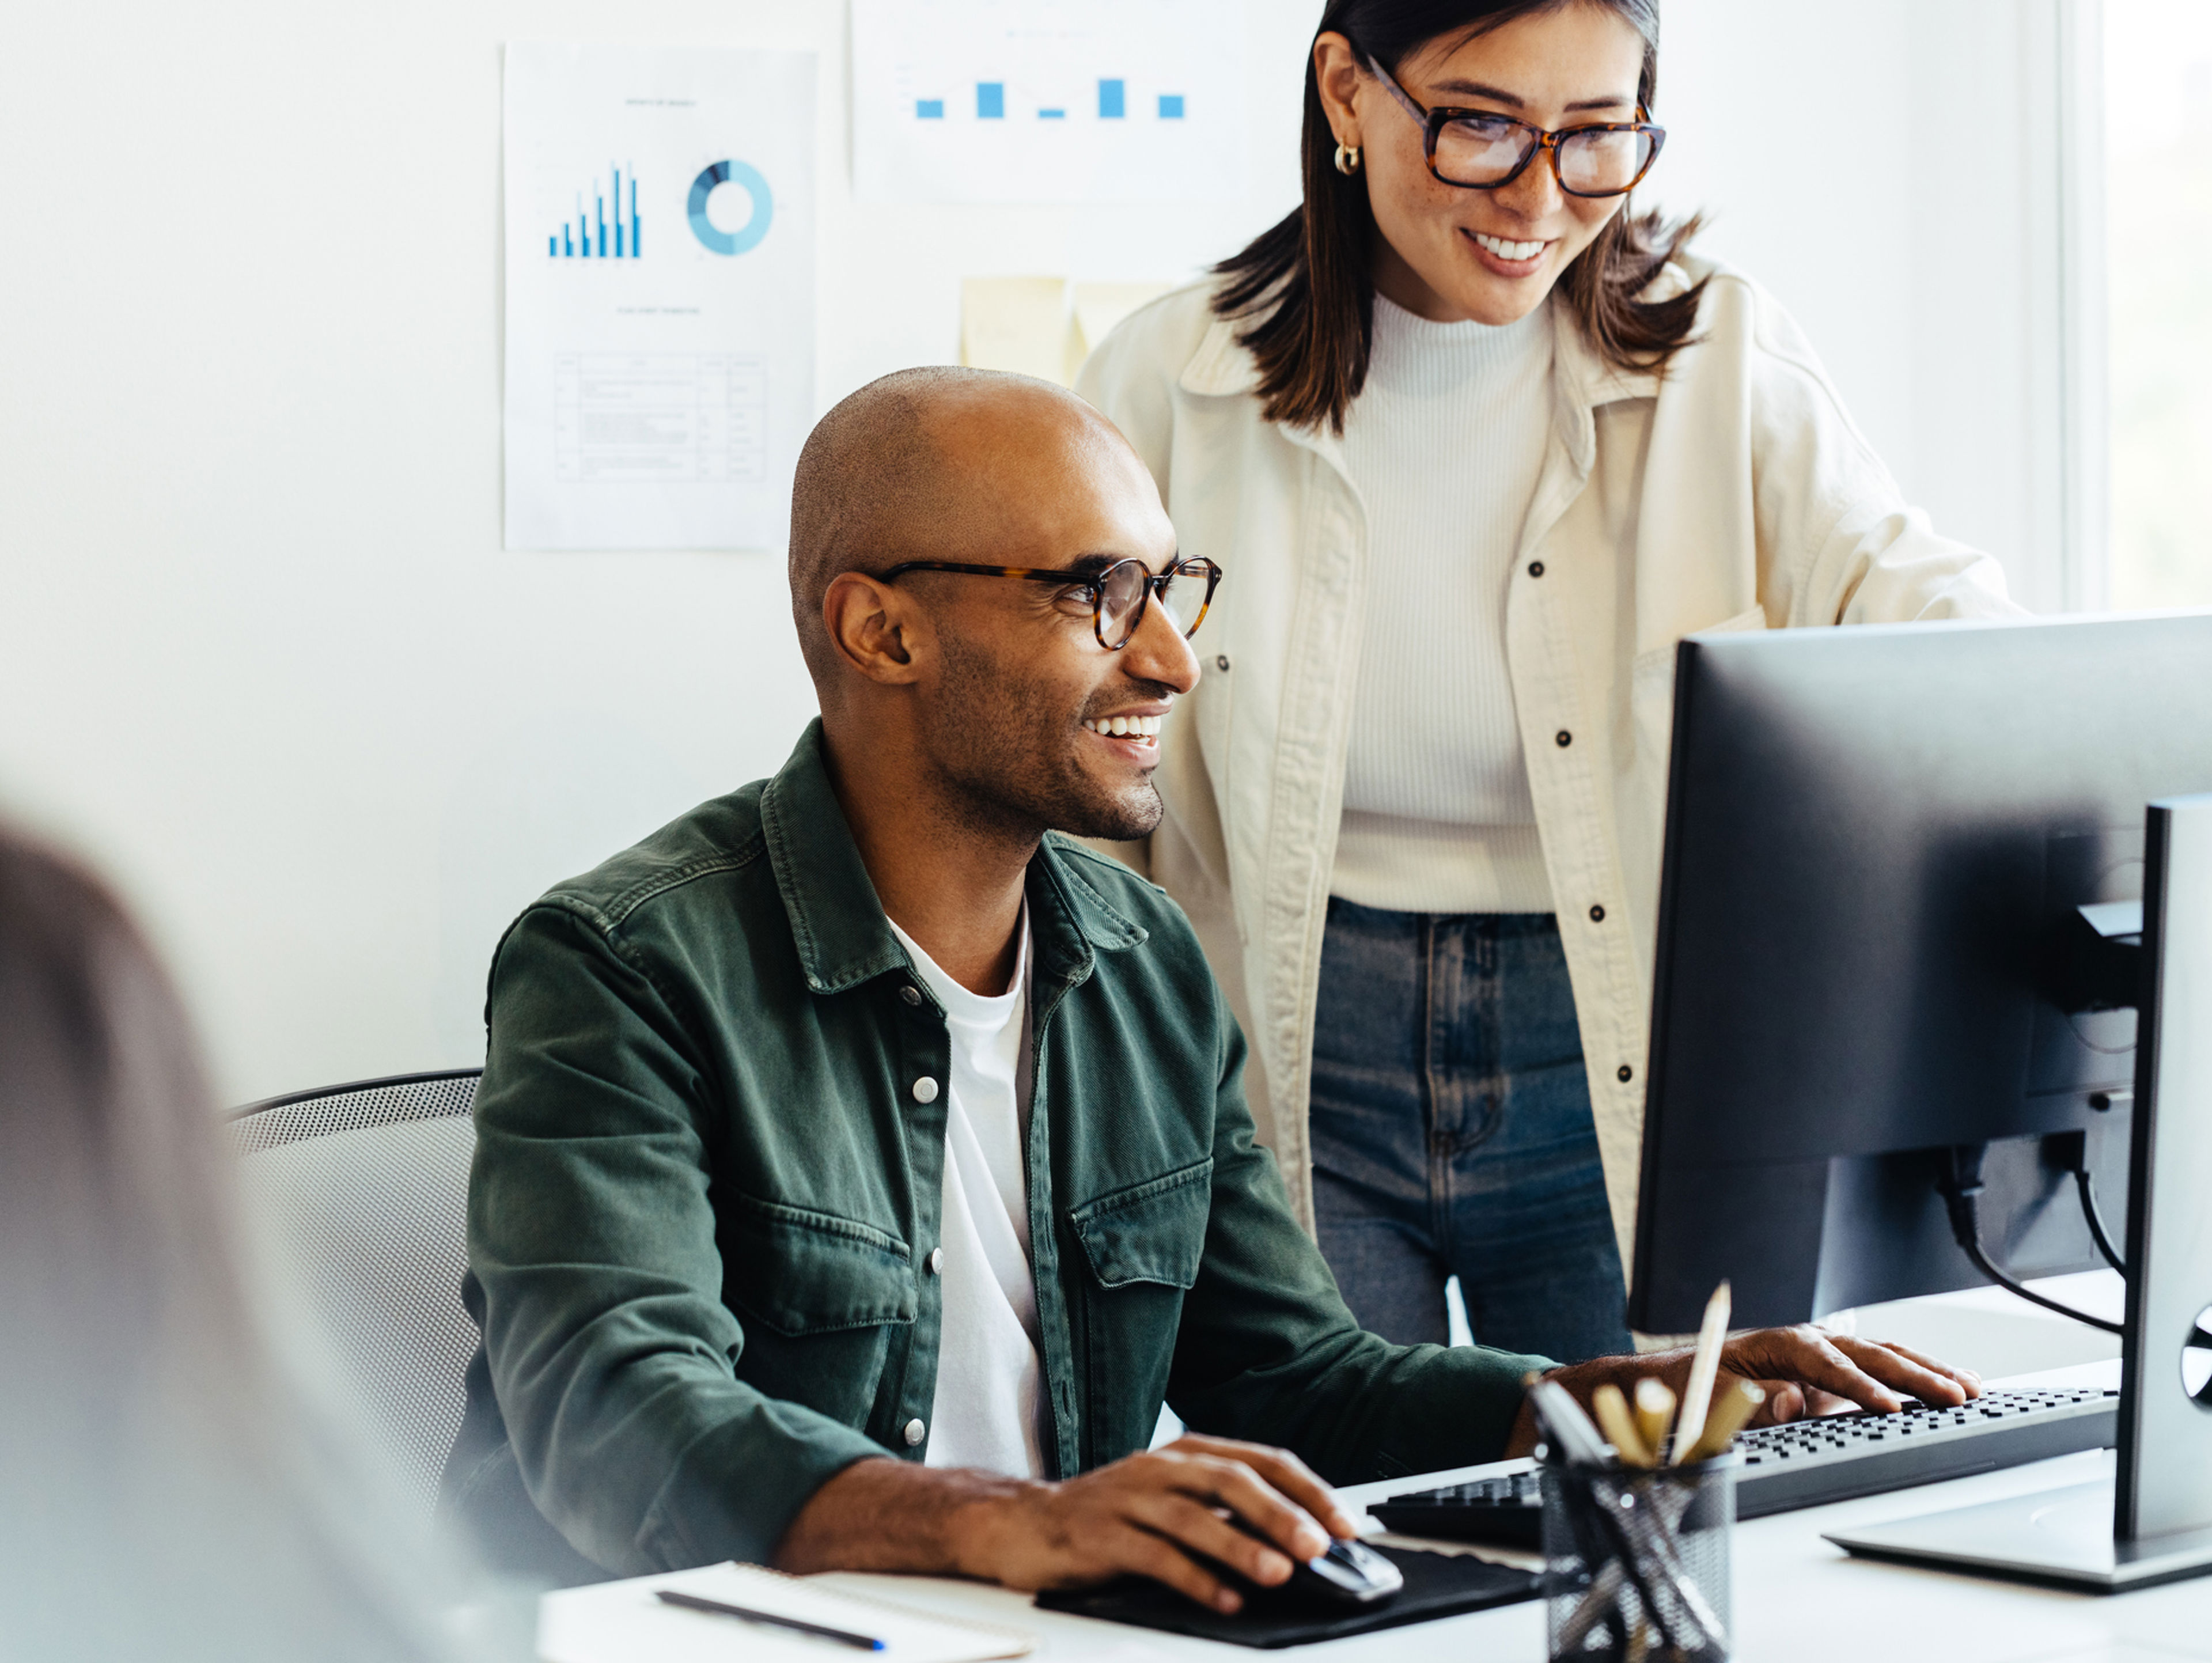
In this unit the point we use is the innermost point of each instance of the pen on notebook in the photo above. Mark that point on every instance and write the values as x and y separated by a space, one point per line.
721 1608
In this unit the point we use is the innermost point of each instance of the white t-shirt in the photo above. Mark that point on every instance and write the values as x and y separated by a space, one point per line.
989 1381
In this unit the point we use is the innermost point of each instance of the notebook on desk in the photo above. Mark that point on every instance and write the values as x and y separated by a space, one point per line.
623 1622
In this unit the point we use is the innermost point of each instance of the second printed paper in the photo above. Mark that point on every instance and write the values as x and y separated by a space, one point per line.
1048 100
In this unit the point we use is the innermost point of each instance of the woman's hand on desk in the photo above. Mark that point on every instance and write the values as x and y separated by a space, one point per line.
1164 1514
1805 1370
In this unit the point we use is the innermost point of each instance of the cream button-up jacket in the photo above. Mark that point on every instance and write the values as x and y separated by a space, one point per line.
1731 493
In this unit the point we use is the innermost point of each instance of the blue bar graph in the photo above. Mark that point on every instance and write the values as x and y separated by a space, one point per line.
585 237
991 106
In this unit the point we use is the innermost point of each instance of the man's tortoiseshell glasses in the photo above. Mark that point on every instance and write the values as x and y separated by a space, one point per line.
1116 595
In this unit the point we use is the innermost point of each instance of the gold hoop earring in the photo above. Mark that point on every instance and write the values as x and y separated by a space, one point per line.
1348 159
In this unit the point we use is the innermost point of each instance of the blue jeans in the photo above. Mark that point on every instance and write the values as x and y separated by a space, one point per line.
1452 1134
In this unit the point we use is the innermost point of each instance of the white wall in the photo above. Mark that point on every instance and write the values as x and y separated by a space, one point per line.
261 653
1890 171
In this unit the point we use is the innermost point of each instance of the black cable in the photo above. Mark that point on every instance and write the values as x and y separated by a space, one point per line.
2086 1185
1961 1189
1973 1250
2070 1152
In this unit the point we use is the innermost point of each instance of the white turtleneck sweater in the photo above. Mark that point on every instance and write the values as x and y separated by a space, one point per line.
1444 443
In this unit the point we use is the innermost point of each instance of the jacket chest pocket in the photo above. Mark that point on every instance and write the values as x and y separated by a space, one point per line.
1153 1232
1143 1245
820 1297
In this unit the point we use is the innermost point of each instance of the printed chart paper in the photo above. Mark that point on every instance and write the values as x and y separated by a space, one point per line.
1048 100
660 295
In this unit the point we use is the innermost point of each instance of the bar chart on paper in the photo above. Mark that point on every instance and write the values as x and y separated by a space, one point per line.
585 235
1048 100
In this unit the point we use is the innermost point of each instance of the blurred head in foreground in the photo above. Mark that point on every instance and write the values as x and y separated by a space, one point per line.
164 1490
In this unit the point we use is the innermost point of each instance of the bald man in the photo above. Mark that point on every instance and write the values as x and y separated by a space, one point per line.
862 1164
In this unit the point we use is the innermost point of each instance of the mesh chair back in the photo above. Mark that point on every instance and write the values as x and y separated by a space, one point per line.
363 1191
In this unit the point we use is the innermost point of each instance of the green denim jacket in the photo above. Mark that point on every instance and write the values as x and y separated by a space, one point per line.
705 1192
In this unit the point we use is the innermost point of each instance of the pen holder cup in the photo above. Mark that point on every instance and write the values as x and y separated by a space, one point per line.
1635 1562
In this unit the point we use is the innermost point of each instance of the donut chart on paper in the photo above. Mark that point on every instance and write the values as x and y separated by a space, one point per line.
746 236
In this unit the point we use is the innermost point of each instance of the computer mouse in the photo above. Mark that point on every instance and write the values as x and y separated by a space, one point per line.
1349 1573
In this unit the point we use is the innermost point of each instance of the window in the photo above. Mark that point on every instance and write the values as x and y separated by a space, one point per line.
2158 206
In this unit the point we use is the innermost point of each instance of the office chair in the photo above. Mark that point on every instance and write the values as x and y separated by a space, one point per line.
364 1190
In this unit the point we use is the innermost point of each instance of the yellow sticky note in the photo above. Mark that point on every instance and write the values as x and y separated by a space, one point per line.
1018 324
1098 307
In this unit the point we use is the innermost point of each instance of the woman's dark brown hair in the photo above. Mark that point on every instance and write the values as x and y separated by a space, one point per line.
1306 284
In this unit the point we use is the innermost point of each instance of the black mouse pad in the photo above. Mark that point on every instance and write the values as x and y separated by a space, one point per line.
1437 1585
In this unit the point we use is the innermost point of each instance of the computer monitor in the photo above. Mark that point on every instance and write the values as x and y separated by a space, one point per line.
1878 842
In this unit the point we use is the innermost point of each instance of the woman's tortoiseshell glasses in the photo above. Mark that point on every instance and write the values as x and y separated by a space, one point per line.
1481 150
1116 595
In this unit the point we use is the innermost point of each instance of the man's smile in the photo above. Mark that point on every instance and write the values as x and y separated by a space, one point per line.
1144 730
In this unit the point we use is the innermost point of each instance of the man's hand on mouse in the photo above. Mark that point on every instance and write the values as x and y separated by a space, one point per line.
1166 1514
1804 1370
1153 1512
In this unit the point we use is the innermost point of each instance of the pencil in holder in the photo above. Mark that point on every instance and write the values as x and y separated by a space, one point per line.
1635 1562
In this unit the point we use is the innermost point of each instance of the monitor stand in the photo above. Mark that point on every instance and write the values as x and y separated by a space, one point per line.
2153 1522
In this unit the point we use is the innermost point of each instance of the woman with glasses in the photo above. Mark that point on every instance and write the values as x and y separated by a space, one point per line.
1479 443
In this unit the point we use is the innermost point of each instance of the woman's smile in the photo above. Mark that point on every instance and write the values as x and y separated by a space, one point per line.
1507 257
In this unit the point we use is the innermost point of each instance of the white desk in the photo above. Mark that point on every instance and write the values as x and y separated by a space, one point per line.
1797 1600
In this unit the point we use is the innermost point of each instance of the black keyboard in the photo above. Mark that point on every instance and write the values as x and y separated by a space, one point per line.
1830 1459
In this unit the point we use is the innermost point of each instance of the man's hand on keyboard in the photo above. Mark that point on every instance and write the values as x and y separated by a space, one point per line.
1805 1370
1809 1371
